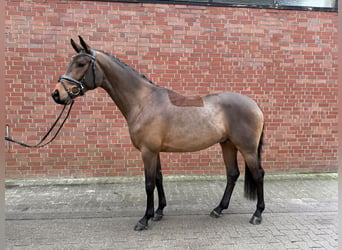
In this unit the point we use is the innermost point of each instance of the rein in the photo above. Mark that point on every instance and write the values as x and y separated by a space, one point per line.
73 92
41 142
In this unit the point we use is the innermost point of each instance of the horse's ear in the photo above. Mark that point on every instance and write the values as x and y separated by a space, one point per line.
85 46
76 47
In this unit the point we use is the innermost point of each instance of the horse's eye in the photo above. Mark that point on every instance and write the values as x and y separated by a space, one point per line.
80 65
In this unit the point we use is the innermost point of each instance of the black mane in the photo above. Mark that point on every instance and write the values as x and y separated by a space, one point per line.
125 66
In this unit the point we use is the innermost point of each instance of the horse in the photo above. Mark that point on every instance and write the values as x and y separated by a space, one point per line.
160 120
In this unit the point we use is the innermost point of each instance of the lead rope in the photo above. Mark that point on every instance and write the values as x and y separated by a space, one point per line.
41 142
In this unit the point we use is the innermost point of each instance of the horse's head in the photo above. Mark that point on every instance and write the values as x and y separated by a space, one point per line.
80 76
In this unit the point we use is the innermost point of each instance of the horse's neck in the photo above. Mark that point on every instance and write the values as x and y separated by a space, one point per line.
128 90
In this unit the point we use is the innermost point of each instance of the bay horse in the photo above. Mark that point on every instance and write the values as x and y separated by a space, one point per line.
160 120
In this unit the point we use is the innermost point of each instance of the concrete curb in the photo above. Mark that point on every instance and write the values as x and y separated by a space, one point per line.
170 178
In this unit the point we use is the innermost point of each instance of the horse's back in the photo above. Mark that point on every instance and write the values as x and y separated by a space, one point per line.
233 99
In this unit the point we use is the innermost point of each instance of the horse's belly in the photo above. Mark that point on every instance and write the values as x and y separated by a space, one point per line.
192 136
184 145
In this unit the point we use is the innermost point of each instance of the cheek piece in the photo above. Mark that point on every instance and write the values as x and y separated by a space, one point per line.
78 86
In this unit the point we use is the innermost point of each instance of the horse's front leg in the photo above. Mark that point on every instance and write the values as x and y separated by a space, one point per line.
150 160
158 215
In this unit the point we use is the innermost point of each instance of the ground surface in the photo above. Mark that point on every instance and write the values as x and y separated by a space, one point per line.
301 213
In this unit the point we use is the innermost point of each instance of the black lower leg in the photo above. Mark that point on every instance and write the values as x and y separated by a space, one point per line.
158 215
143 222
226 196
150 166
260 207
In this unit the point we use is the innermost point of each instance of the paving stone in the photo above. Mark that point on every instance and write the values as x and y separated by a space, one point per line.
100 215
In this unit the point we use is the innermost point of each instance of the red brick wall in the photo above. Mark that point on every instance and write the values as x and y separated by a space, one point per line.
285 60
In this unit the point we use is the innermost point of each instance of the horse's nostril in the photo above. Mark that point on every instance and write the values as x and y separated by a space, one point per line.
55 95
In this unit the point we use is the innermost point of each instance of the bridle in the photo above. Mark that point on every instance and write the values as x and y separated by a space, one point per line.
78 88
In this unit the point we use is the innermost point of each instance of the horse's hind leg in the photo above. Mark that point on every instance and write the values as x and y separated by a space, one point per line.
158 215
254 181
229 155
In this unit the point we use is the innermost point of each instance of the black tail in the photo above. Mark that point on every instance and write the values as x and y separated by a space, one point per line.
250 185
261 143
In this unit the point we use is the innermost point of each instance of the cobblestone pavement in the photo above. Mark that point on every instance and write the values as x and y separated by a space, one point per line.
301 213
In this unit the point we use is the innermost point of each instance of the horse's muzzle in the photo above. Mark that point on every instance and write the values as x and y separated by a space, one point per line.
57 98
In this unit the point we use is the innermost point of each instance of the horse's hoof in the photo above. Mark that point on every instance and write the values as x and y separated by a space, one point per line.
139 227
157 217
255 220
215 214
